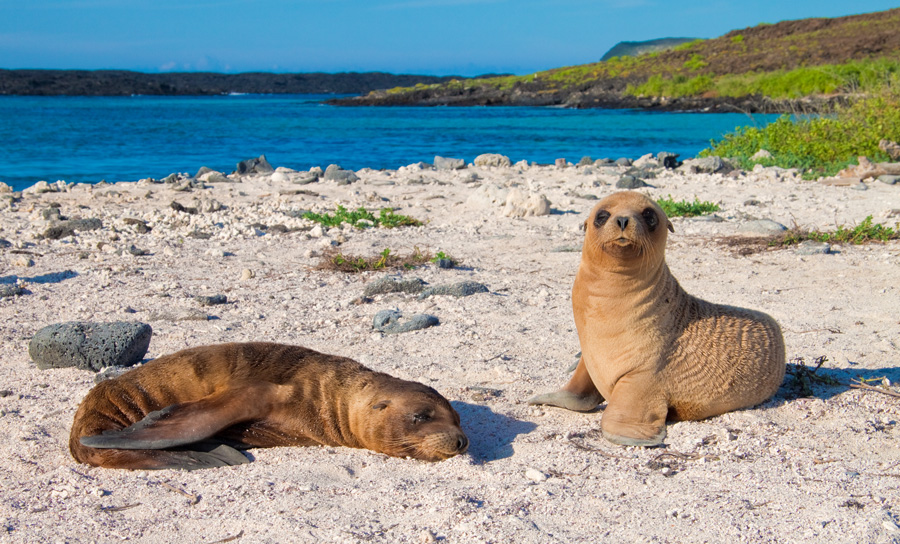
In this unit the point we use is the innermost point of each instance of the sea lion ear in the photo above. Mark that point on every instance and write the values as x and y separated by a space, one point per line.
584 226
381 405
670 227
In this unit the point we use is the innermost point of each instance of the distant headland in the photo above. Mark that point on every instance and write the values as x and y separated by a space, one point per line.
126 83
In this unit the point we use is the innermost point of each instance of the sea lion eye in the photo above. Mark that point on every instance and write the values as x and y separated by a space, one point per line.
650 218
421 417
601 219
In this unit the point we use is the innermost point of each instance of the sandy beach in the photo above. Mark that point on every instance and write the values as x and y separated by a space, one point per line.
817 468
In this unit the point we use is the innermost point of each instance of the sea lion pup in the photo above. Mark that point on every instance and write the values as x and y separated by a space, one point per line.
191 409
650 349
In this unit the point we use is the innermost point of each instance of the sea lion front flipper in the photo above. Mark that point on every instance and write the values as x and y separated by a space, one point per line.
189 422
579 395
635 414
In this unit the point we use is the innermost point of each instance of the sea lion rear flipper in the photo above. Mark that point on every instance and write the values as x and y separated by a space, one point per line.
189 422
579 395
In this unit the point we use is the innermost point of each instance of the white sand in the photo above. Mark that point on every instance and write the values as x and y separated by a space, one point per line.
819 469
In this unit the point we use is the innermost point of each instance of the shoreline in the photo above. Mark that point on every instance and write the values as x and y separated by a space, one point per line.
801 468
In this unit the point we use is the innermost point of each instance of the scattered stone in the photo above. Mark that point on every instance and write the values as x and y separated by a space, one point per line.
811 247
211 300
5 243
763 227
139 225
461 289
388 322
483 394
52 214
751 202
136 251
216 177
339 175
586 161
860 187
493 159
604 162
561 163
706 165
445 163
535 475
90 346
520 204
444 263
23 261
110 373
668 160
11 290
181 208
387 284
890 180
761 155
255 166
5 393
630 182
624 161
247 274
68 228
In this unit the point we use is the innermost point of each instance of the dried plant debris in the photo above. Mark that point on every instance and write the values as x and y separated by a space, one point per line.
801 378
386 260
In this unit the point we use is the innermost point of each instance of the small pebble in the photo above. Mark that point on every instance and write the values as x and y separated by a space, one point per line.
535 475
247 274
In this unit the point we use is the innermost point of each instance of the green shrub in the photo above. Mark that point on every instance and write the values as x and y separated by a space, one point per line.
386 218
819 145
684 208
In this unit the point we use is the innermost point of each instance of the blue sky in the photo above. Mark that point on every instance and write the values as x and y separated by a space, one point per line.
443 37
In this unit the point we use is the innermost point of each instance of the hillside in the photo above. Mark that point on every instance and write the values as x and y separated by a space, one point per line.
125 83
753 69
633 49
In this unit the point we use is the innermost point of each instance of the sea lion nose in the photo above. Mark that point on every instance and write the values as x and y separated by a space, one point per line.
622 222
462 443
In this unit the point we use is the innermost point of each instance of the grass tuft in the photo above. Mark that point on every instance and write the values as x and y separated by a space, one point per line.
386 260
685 208
362 218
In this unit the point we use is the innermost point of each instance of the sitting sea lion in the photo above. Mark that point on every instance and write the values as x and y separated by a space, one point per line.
191 409
650 349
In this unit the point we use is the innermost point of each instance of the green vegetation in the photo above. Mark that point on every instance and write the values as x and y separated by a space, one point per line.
860 234
384 260
684 208
361 218
819 145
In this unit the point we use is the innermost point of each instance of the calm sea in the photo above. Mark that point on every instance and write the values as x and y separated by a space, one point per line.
88 139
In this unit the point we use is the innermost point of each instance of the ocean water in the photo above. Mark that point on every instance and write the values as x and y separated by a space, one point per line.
88 139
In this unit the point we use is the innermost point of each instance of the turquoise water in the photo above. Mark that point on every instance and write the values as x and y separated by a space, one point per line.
88 139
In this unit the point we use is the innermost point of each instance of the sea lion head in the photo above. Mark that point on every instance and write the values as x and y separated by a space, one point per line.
409 419
626 228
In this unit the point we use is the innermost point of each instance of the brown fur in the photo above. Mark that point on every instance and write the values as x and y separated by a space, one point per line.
650 349
257 395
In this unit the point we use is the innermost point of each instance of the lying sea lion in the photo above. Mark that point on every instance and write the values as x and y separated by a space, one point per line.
650 349
191 409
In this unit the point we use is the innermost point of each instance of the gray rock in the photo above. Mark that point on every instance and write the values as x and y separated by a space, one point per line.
255 166
386 285
707 165
388 322
630 182
52 214
444 163
762 226
461 289
211 300
861 186
760 155
90 346
136 251
586 161
68 228
201 171
217 177
339 175
11 290
492 159
811 247
171 178
890 180
624 161
5 243
444 263
604 162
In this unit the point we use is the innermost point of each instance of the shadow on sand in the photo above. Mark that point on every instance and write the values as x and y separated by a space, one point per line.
490 434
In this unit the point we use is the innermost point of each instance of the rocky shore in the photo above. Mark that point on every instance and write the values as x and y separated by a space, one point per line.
208 257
